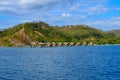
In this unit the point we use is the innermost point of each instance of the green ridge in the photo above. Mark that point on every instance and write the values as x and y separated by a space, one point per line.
24 34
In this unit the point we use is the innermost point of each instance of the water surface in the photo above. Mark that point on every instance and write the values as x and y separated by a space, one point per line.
60 63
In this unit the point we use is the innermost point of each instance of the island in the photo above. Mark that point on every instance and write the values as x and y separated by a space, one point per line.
42 34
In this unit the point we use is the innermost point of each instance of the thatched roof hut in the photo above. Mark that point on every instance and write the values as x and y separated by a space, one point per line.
65 44
53 44
71 44
84 43
77 44
59 44
33 44
90 43
41 44
48 44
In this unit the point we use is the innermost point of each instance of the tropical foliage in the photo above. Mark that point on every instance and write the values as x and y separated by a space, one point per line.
24 34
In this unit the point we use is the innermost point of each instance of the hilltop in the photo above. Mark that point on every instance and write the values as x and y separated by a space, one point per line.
116 32
25 33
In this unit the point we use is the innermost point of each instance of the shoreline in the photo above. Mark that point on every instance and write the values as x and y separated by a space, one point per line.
57 46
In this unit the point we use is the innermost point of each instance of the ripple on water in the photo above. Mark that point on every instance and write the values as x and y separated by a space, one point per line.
60 63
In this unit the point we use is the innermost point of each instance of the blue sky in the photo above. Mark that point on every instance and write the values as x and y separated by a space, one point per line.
101 14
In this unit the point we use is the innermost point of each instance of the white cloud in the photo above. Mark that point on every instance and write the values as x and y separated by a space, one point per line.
35 3
60 11
41 2
66 15
108 24
4 3
91 7
96 9
26 21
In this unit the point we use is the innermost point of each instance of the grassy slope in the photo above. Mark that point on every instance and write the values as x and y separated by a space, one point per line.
24 34
116 32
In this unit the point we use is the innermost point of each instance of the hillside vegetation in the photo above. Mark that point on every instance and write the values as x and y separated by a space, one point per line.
116 32
24 34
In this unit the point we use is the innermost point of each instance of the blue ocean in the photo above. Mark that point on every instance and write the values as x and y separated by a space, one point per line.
60 63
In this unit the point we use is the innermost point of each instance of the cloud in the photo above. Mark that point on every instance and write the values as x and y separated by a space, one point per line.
90 7
93 7
35 3
66 15
96 9
22 6
60 12
108 24
4 3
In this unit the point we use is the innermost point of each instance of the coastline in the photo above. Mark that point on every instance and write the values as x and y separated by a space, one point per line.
29 46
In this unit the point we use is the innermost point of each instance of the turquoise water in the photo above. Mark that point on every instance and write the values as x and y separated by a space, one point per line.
60 63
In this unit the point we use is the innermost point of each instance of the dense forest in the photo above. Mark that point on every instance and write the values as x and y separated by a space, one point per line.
25 33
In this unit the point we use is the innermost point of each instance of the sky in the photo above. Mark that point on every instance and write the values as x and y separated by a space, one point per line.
100 14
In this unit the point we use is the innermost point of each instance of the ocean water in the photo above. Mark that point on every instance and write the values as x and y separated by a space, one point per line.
60 63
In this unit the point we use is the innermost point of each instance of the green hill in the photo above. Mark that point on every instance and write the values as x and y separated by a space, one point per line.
24 34
116 32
